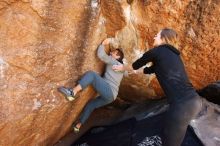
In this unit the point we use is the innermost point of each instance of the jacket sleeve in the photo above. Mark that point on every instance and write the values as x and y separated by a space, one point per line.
147 57
103 56
149 70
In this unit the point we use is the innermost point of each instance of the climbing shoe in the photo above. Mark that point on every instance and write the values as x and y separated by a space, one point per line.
75 129
67 92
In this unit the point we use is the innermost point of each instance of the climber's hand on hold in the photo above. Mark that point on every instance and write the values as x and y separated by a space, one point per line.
106 41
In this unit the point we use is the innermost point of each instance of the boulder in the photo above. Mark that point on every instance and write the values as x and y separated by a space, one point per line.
206 125
211 92
45 44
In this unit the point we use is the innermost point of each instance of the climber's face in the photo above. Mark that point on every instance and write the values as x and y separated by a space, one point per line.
157 39
114 54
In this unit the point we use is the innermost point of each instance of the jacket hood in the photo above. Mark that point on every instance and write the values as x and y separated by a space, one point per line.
172 48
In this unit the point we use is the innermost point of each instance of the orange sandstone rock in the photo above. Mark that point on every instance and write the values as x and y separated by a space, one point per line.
45 44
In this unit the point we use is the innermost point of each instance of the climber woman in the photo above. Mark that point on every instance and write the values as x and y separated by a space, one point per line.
184 102
107 86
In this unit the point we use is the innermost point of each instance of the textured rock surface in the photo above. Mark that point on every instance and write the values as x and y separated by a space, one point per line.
206 125
45 44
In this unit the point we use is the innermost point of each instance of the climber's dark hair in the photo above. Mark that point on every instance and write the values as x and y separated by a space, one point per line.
121 54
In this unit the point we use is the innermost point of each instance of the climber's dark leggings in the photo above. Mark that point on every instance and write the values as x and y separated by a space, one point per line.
177 119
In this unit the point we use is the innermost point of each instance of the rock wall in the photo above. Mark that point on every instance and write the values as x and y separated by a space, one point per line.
45 44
